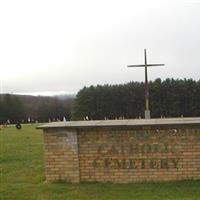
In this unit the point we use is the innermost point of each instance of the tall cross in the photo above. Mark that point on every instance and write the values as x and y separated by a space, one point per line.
147 111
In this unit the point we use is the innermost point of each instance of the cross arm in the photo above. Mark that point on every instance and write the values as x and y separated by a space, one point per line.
148 65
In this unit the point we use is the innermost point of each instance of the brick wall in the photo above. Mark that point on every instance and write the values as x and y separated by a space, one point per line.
61 155
122 156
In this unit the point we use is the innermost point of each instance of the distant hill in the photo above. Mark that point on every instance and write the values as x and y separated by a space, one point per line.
65 96
40 108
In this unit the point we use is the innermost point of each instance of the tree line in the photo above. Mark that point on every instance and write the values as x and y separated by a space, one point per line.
29 109
168 98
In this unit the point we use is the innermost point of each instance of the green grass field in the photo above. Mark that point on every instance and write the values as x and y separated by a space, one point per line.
22 176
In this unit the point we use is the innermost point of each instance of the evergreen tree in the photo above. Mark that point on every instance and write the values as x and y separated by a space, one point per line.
168 98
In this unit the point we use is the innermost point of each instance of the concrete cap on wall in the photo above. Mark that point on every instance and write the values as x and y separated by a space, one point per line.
123 123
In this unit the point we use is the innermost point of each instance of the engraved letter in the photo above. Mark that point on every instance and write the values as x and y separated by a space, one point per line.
175 162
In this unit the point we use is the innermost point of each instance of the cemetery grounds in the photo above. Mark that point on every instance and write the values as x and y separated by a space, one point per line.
22 176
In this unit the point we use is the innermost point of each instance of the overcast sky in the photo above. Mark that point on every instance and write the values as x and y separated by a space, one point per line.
54 45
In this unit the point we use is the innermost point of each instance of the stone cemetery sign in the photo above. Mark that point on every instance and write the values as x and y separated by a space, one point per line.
123 151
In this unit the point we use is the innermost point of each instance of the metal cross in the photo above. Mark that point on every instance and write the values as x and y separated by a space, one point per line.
147 111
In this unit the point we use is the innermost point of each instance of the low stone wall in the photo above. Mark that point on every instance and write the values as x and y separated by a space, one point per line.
122 154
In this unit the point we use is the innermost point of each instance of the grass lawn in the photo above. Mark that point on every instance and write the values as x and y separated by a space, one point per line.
22 176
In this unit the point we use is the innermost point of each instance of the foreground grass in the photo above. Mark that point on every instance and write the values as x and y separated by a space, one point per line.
22 176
